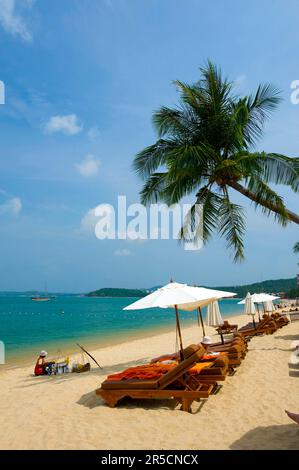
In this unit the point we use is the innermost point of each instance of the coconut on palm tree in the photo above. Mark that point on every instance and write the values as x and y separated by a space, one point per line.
206 148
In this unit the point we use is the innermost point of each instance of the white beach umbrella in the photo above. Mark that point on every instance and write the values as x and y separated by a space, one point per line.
268 306
180 296
260 298
213 315
249 308
267 301
176 295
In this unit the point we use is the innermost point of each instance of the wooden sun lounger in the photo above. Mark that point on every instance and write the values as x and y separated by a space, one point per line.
282 320
217 372
226 328
239 338
266 326
235 349
235 359
175 384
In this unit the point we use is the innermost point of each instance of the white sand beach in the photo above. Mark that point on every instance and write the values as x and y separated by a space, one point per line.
63 412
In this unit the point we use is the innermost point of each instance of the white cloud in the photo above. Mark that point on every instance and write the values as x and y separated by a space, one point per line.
88 222
68 124
123 252
89 166
12 206
12 22
93 133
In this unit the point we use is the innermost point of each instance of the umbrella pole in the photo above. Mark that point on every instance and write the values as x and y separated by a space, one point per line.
253 322
201 321
221 336
179 331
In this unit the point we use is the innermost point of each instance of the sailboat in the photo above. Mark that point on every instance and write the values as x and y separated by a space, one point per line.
41 298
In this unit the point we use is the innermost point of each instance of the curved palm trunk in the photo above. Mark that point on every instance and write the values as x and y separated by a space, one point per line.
238 187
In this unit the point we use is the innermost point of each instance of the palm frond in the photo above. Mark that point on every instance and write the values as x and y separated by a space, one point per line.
265 197
200 159
174 122
176 189
210 203
153 188
296 247
151 158
215 86
260 106
279 169
248 163
232 227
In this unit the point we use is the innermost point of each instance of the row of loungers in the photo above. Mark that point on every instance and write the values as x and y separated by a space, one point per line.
268 325
194 378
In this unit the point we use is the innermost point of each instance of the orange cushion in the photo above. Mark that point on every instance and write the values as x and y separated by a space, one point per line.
154 371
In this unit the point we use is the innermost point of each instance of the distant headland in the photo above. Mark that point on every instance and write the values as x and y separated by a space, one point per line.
284 287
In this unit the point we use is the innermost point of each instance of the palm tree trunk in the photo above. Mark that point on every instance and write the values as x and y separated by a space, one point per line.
238 187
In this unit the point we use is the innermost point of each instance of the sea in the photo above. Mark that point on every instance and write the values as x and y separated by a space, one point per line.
57 326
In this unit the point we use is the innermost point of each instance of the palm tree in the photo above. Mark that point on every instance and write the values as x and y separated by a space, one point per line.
205 148
296 248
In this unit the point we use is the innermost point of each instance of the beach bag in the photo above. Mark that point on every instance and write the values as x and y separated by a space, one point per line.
81 366
50 368
62 367
78 368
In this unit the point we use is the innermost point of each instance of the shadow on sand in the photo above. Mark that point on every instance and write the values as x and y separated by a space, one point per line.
91 400
288 337
278 437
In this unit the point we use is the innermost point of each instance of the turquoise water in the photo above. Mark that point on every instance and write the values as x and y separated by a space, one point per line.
26 327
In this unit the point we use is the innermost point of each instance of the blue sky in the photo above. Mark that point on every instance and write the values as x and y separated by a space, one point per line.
82 79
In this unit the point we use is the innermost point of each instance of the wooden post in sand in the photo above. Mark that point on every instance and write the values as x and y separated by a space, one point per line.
201 321
179 331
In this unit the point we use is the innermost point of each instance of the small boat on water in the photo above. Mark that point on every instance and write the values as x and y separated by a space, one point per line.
40 299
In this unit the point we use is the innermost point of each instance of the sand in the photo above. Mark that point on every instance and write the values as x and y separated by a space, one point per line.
63 412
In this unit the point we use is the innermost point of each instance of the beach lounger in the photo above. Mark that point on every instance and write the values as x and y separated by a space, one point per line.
217 372
237 344
226 328
176 384
235 350
234 355
265 326
281 319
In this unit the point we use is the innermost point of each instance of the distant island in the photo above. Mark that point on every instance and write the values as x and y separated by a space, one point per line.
275 286
287 287
117 292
